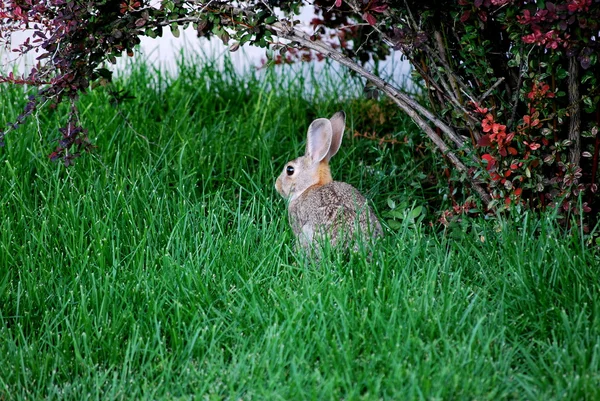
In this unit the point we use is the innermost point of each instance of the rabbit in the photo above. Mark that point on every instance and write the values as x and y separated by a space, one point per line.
319 208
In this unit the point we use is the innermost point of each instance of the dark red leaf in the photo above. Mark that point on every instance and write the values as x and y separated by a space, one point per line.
585 62
379 8
484 140
369 18
465 16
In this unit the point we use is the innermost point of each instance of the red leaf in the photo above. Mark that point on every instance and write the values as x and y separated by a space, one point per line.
479 109
369 18
379 9
338 3
491 162
518 191
512 151
487 157
465 16
484 141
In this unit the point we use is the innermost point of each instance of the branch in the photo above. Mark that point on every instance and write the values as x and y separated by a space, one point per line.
295 35
442 54
413 109
513 113
575 121
452 95
284 30
487 92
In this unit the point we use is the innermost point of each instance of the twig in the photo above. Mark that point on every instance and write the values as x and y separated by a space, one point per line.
575 119
487 92
513 113
442 52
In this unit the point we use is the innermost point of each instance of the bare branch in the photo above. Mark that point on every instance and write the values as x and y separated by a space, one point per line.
490 90
413 109
575 119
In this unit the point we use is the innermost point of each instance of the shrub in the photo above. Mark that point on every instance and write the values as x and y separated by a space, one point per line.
512 87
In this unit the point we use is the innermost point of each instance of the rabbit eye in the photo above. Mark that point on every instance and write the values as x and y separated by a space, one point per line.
289 170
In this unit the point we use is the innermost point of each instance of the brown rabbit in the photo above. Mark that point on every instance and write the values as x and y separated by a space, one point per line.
320 208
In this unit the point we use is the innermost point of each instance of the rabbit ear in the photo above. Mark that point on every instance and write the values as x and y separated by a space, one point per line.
318 140
338 123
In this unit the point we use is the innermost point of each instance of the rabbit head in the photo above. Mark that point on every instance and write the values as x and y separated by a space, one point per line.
312 170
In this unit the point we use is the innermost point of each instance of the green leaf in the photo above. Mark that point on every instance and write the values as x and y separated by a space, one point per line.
416 212
587 76
175 29
246 38
394 225
396 214
104 73
561 73
150 33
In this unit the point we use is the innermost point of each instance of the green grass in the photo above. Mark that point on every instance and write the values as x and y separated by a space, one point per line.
162 266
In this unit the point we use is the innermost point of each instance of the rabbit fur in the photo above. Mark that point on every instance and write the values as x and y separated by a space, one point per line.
319 208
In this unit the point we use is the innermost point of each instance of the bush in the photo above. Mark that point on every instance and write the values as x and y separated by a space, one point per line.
511 96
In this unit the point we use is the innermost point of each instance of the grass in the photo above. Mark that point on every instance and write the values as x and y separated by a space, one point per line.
162 266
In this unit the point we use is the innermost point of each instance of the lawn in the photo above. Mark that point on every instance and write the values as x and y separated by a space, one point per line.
162 266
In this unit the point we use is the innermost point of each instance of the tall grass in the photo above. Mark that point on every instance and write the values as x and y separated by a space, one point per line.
162 266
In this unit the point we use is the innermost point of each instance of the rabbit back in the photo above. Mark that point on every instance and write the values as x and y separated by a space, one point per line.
336 212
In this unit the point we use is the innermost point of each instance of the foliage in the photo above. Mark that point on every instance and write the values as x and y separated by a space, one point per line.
536 62
512 91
